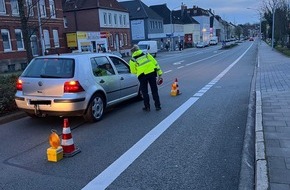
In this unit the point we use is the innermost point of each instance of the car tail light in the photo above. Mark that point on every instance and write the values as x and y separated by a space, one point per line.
73 86
19 85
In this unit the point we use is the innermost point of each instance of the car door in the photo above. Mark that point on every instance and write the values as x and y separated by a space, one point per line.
106 76
129 82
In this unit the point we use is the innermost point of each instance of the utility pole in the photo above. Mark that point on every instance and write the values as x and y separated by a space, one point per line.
273 23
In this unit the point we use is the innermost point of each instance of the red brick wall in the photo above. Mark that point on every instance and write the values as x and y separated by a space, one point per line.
11 23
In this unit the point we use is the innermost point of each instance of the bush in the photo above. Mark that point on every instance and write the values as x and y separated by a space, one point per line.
284 50
7 92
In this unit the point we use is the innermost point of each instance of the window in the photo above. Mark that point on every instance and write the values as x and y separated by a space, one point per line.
14 7
110 18
2 7
46 39
124 19
55 38
6 40
42 8
105 18
101 66
111 40
120 20
120 65
121 40
52 9
125 39
29 6
65 22
115 19
19 39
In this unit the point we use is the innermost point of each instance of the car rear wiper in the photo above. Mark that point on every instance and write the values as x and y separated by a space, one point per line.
50 76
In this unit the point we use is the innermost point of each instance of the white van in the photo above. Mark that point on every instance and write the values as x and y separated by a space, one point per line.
213 40
148 47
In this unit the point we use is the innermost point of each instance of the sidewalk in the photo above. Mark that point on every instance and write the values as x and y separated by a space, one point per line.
272 120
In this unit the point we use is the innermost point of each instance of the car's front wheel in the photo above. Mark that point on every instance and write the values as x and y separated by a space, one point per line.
95 109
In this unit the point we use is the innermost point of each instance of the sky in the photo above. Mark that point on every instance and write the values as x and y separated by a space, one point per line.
234 11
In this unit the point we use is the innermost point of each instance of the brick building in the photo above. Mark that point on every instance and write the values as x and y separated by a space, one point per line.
44 17
90 24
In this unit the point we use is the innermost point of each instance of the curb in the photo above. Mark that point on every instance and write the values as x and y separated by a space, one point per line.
12 117
261 177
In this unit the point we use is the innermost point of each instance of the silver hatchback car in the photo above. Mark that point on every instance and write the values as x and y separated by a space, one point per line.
76 84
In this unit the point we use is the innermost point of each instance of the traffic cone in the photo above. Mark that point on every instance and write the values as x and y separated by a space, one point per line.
67 142
173 89
177 88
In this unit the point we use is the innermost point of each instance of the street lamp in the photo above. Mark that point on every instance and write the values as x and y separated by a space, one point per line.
273 23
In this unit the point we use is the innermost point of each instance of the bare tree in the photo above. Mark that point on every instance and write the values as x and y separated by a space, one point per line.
29 24
24 18
281 10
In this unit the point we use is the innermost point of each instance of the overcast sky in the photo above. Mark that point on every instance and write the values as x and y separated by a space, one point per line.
234 11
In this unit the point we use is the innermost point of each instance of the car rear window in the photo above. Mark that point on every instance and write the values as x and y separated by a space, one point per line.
50 68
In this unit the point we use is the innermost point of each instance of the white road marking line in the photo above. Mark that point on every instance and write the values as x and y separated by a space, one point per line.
104 179
205 58
178 63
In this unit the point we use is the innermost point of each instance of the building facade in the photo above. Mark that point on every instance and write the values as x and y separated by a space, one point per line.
145 24
45 29
97 25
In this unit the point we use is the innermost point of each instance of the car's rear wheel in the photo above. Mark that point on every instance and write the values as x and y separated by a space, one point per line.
95 109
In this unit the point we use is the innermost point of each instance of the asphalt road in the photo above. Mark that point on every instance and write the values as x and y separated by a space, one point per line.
194 142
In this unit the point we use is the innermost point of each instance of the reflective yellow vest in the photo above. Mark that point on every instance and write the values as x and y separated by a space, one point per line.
144 63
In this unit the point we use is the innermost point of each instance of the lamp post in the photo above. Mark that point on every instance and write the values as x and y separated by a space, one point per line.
171 35
273 23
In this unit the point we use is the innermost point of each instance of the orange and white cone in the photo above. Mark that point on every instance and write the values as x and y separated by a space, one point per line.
174 88
177 88
67 142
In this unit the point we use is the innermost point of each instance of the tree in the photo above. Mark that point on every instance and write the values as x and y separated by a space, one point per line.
29 25
238 31
25 29
281 10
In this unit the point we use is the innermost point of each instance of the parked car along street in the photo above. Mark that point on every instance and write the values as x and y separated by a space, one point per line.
201 44
77 84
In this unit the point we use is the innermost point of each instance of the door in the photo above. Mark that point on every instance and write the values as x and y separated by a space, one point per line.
34 45
129 82
106 77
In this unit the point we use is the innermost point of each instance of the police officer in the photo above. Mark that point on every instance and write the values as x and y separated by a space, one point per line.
147 69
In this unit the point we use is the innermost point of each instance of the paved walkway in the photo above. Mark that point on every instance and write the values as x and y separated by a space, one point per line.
272 120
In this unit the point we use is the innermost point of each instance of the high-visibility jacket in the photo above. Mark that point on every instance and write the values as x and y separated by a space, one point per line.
142 63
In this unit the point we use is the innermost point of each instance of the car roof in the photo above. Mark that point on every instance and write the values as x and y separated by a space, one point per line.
76 55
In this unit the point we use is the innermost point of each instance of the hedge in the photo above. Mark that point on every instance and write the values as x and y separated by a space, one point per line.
7 92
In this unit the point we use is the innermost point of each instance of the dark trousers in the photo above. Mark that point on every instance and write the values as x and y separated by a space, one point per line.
151 79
